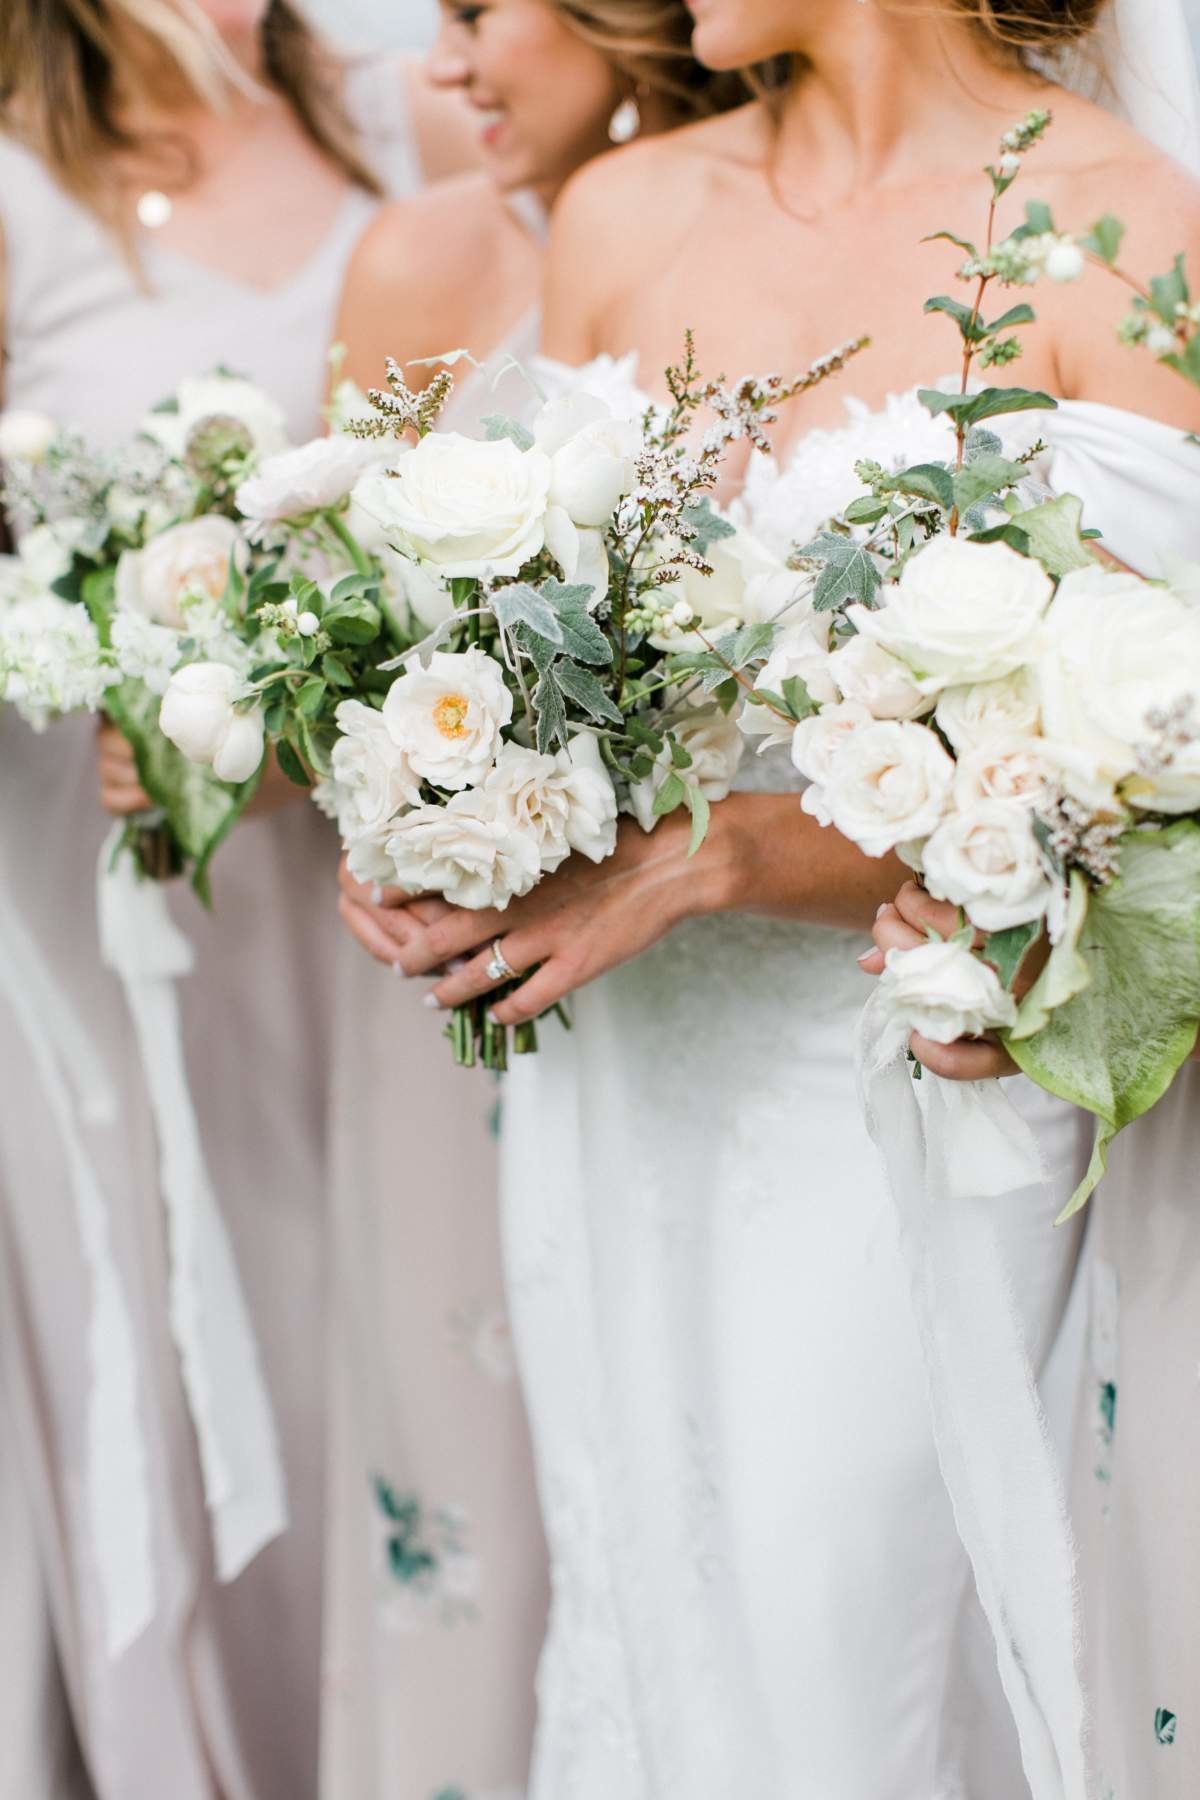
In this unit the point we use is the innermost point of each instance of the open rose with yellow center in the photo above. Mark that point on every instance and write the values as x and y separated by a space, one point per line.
448 718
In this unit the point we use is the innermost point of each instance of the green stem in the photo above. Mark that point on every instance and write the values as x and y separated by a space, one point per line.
349 543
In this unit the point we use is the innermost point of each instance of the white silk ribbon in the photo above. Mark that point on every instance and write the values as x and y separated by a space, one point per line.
116 1463
951 1156
222 1373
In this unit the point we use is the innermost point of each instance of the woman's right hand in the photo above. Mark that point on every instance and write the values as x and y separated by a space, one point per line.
121 793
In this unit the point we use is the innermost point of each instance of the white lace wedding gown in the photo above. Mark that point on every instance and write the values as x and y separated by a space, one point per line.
758 1586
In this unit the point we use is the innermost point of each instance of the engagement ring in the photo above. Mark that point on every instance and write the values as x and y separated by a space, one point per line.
500 969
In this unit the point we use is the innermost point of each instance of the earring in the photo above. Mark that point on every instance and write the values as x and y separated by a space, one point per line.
626 121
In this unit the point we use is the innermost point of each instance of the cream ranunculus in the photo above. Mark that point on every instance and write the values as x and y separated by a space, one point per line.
815 743
945 992
473 850
201 397
987 860
1014 769
986 709
871 676
714 743
448 718
960 612
313 478
888 786
1113 651
183 568
800 651
592 456
465 506
199 716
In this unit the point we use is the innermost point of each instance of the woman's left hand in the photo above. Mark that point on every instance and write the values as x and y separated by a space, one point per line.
121 792
903 925
576 924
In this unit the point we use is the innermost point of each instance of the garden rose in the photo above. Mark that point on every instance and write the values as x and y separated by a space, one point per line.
944 992
987 860
448 718
467 507
188 563
888 786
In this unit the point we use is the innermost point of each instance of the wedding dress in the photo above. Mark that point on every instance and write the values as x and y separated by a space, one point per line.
217 1691
435 1594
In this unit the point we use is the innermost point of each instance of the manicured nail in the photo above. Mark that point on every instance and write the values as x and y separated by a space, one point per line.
376 894
397 968
865 957
881 910
491 1013
432 1002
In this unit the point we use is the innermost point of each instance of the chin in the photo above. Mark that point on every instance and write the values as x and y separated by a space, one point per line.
733 34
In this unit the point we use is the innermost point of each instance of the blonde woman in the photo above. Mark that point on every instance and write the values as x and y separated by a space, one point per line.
431 1664
759 1582
181 184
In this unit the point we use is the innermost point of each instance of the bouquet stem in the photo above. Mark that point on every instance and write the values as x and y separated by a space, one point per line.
475 1037
154 847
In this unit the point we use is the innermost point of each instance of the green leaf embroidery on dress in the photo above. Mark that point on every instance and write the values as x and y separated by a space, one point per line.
430 1572
1164 1726
451 1793
1106 1400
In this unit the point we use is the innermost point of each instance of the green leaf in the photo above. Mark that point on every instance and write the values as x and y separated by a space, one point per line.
927 481
992 403
587 691
1053 534
671 794
1104 239
334 669
849 572
349 587
551 713
499 425
697 803
708 524
1038 219
1016 315
1009 534
582 638
521 603
1005 950
1187 361
970 327
355 621
866 510
797 698
948 237
1114 1014
291 764
983 476
310 696
1169 292
749 643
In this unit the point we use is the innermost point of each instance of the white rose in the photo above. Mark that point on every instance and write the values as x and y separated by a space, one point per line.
448 718
472 850
372 775
1013 769
465 506
199 717
801 651
984 709
26 436
591 798
200 397
944 992
188 563
815 743
870 675
888 785
987 860
311 479
714 743
960 612
591 453
1114 649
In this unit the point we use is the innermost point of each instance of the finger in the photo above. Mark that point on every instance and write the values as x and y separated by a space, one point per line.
871 962
546 987
123 800
968 1059
365 927
457 933
892 932
473 977
919 909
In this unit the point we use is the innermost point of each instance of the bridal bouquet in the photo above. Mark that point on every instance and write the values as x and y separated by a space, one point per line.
1016 718
498 674
128 562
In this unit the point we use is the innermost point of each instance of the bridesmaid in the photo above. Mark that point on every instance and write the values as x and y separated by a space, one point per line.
758 1581
267 155
430 1680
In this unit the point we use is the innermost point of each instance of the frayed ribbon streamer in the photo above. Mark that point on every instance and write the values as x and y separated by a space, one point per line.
950 1156
222 1373
116 1478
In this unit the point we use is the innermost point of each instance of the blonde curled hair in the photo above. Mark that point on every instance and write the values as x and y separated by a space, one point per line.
68 68
649 43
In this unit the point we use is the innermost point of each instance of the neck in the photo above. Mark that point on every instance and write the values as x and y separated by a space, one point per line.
881 94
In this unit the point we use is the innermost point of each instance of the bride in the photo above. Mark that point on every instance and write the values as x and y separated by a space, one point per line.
758 1584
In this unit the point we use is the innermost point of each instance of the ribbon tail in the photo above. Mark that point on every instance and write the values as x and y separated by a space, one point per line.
219 1356
116 1458
945 1171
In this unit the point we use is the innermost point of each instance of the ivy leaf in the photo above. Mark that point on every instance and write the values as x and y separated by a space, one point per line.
582 638
697 803
709 526
671 794
1104 239
551 713
499 425
586 690
521 603
927 481
983 476
1006 949
849 572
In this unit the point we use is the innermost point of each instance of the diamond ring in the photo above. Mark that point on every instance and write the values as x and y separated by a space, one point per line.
499 969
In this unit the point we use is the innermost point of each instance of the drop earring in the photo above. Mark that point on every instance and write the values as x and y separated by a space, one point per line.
626 121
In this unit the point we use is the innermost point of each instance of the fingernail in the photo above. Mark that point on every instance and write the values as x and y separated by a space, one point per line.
432 1002
376 894
879 914
491 1013
397 968
865 957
